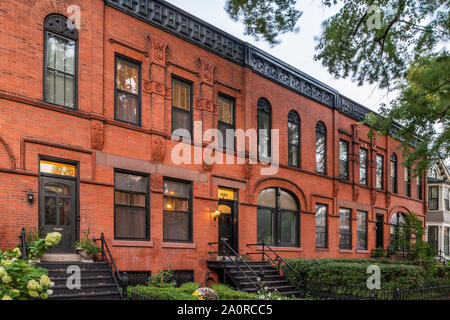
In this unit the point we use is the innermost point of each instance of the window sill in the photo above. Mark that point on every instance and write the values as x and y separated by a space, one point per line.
322 249
282 249
176 245
345 251
362 251
126 243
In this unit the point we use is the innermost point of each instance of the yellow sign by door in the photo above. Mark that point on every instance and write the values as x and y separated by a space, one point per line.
226 194
61 169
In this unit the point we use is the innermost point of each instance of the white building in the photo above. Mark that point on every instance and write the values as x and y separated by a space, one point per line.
438 215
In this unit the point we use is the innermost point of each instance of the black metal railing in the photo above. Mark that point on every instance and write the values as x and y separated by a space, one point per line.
326 291
120 280
441 257
23 238
237 261
276 260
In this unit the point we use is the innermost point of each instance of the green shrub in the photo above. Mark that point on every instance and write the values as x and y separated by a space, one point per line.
20 279
378 253
162 279
36 245
154 293
354 273
189 287
226 293
87 244
443 272
185 291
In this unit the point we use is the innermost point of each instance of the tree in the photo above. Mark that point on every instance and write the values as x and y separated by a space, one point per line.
398 44
265 18
409 240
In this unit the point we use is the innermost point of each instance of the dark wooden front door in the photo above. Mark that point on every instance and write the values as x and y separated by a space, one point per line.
57 210
227 226
379 232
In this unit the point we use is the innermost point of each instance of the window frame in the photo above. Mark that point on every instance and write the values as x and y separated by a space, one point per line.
321 129
264 106
366 230
419 187
365 166
63 35
393 179
277 213
147 204
379 156
190 212
346 175
430 188
447 240
395 227
118 56
233 126
407 179
294 118
191 102
326 246
350 232
446 198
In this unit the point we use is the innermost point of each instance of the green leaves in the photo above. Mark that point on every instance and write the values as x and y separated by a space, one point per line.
353 45
422 108
265 18
20 279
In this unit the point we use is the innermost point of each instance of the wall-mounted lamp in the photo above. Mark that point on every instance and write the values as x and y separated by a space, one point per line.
30 197
216 214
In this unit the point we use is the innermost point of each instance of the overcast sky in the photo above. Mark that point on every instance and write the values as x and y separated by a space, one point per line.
297 49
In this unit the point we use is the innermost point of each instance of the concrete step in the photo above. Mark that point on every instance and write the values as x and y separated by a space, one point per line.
93 279
92 295
61 257
84 288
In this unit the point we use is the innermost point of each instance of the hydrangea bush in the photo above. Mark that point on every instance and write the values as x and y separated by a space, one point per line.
37 248
206 294
21 279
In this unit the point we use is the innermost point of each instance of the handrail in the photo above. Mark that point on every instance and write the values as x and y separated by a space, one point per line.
23 237
106 256
277 261
441 257
237 257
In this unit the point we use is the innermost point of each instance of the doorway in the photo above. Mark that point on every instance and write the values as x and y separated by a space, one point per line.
228 222
379 231
58 203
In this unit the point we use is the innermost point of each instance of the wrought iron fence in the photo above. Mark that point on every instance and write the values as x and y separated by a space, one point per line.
322 291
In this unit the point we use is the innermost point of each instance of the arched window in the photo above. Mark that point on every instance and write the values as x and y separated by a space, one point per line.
60 62
393 173
264 127
278 218
294 138
321 148
396 221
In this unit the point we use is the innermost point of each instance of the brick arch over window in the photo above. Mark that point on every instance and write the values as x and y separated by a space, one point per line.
44 8
7 154
283 183
396 209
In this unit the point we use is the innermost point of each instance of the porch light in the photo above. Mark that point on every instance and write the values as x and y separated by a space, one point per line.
30 197
216 214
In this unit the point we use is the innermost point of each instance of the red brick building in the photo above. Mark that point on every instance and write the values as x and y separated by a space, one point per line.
86 117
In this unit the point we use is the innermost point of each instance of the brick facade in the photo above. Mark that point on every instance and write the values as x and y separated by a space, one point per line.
30 127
